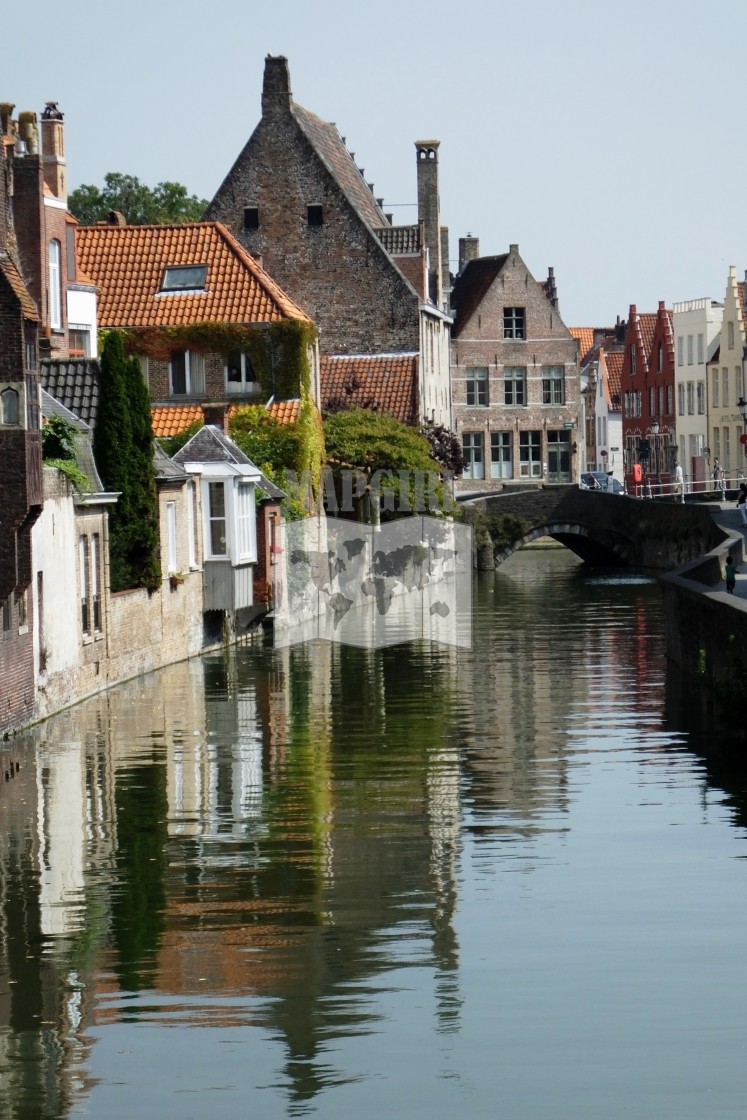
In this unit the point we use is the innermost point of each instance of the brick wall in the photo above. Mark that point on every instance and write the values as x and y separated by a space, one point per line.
480 343
337 272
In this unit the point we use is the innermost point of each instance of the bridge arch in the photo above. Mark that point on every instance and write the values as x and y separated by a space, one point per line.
614 551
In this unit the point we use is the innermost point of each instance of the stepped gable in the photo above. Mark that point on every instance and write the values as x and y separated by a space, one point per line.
382 382
74 383
470 287
128 263
330 148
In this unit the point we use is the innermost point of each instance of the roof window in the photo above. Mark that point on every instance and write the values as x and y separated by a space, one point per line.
184 278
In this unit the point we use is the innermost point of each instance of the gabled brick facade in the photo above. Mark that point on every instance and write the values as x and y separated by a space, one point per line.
297 200
515 377
648 393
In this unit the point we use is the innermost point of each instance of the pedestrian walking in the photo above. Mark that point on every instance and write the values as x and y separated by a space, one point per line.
719 477
742 502
679 483
731 575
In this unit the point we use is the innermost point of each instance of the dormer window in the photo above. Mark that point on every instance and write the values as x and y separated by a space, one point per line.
184 278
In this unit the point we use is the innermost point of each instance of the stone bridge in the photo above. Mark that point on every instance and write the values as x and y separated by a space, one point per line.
608 530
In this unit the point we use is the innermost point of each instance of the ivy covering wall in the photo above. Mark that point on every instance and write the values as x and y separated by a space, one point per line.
281 353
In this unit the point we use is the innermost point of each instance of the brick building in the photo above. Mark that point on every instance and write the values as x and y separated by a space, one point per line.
299 202
21 493
648 393
514 374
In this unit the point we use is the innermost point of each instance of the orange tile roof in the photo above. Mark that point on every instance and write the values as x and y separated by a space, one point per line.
613 361
127 264
647 321
383 382
585 336
15 280
285 412
172 419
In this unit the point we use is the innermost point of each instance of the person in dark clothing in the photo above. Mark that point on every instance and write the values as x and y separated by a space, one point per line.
731 575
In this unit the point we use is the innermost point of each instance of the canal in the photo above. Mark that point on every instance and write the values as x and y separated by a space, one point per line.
418 882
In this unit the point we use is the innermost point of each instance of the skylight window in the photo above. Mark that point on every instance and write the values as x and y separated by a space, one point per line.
184 278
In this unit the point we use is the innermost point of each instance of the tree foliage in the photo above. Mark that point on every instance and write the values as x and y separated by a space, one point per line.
371 441
168 203
123 448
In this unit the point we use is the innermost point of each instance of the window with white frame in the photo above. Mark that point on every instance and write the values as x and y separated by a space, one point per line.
730 334
724 388
681 398
187 374
652 400
501 455
245 525
83 574
714 389
515 385
670 401
553 385
474 455
690 398
240 374
171 561
216 516
477 386
726 448
738 382
55 289
633 359
680 341
716 448
689 349
184 278
701 398
701 349
95 584
530 454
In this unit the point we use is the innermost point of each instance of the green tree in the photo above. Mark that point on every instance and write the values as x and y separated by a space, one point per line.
372 441
165 204
123 448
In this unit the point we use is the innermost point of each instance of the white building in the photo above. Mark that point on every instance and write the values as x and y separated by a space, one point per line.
696 326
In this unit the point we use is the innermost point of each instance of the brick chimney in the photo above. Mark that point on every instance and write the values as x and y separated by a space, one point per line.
216 413
53 150
429 213
469 250
276 91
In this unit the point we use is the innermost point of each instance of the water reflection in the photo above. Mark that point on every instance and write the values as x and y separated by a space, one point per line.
273 842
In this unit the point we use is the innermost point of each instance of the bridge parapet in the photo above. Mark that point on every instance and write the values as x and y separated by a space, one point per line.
603 529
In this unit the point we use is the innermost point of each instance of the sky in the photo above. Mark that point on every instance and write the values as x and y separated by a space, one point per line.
605 139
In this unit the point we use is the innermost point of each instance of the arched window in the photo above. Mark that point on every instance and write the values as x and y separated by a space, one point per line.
55 294
9 406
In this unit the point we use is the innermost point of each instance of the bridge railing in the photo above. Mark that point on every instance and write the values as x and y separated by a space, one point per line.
707 488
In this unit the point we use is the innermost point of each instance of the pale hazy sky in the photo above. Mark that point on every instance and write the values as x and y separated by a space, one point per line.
606 139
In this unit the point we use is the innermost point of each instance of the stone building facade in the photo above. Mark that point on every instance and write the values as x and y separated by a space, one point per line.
514 375
297 200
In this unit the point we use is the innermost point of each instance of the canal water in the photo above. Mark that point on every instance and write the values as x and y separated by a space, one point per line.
420 882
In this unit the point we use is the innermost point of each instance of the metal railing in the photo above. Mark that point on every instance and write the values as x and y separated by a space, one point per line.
707 488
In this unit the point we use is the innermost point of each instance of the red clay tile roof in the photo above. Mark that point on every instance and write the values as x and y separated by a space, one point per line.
328 145
471 286
647 321
172 419
585 336
613 361
286 412
127 265
383 382
13 276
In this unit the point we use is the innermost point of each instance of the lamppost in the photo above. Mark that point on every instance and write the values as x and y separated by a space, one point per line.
742 406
